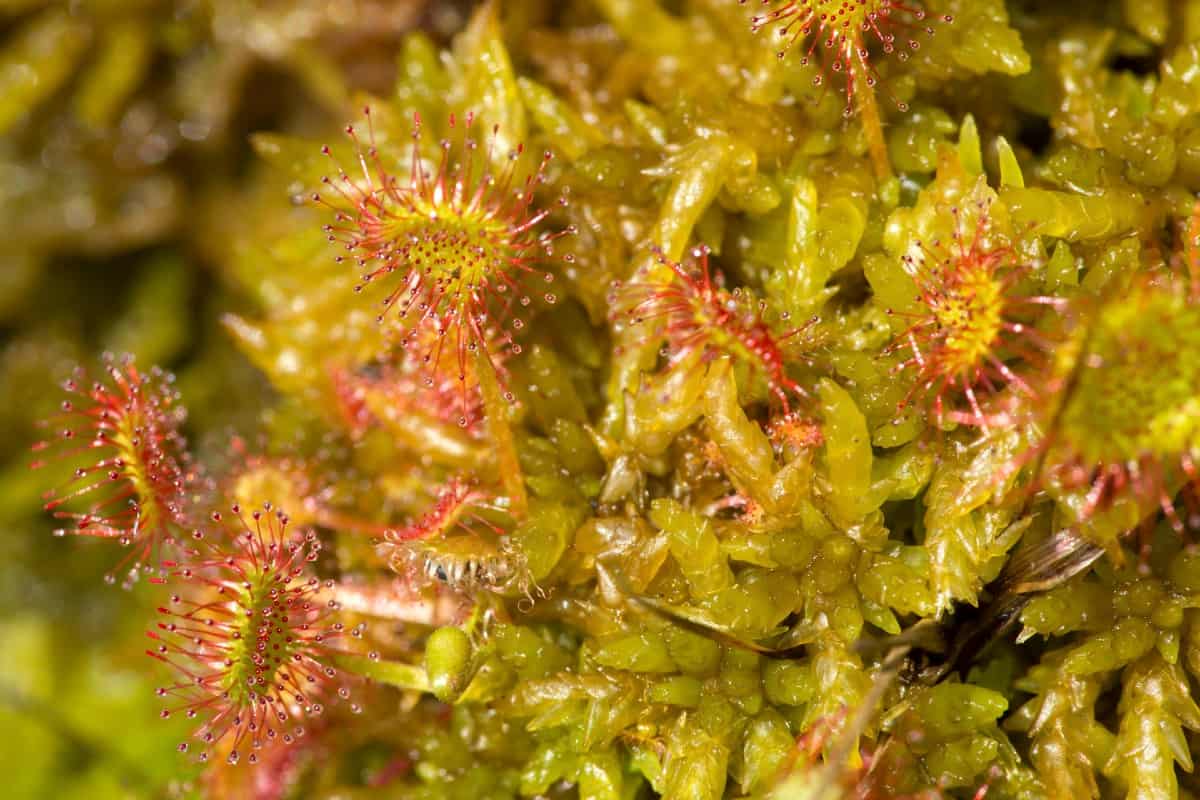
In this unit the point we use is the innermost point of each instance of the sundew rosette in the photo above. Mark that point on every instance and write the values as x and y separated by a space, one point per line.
459 242
841 33
250 634
976 323
843 38
460 245
122 431
1124 419
699 320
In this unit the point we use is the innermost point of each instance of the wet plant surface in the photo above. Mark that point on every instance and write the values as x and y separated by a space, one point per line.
610 399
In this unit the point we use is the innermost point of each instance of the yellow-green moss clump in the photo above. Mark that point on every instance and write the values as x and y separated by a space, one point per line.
693 399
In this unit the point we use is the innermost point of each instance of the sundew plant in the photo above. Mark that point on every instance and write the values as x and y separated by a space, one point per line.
600 399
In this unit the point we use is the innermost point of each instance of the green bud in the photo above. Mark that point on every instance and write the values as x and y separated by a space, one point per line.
448 662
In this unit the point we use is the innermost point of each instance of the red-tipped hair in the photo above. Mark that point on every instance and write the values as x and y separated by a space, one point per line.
134 471
249 632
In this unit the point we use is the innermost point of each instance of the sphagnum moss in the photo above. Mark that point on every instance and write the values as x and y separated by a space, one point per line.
695 431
